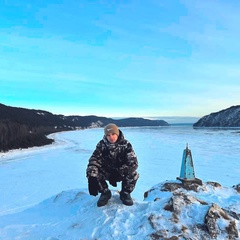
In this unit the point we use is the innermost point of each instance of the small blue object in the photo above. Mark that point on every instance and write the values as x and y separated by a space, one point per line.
187 168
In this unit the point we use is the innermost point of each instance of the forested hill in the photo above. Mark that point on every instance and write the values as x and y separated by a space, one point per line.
23 128
229 117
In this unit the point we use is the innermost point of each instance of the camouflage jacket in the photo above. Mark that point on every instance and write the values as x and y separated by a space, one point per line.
108 157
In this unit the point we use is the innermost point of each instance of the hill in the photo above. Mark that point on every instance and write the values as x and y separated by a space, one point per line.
229 117
23 128
169 211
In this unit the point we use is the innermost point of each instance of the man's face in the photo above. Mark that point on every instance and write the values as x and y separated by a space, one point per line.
112 137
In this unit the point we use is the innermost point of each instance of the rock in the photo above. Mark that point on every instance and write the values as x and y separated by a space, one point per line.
190 214
237 188
211 220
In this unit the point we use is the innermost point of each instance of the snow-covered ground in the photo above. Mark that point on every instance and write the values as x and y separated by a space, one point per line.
44 190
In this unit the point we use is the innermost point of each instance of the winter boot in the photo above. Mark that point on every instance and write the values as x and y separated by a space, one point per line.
126 198
103 200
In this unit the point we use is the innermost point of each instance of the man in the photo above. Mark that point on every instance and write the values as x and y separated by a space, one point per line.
113 160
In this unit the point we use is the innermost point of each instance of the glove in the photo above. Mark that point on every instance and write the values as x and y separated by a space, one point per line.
93 186
123 170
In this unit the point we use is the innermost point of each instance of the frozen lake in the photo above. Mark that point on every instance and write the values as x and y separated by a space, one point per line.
32 175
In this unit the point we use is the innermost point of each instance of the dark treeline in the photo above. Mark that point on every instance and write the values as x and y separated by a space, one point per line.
23 128
15 135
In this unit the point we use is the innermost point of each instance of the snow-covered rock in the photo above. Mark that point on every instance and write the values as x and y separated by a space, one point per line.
168 211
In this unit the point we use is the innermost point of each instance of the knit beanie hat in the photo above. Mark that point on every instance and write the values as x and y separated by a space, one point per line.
111 128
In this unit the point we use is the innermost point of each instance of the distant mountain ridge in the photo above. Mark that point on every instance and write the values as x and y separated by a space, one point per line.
23 128
229 117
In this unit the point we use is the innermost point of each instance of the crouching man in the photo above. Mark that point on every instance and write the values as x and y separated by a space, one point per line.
113 160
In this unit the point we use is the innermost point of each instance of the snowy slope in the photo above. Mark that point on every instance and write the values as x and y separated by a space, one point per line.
229 117
74 215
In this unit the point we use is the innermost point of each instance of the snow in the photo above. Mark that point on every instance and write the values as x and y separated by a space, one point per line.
44 189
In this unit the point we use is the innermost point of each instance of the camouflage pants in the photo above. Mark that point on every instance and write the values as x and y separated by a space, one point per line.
128 182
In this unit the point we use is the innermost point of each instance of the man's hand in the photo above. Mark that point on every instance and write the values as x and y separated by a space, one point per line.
93 186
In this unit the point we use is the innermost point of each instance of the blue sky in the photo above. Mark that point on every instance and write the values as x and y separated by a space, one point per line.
121 58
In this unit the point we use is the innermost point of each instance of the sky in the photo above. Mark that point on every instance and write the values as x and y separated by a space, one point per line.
44 192
120 58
